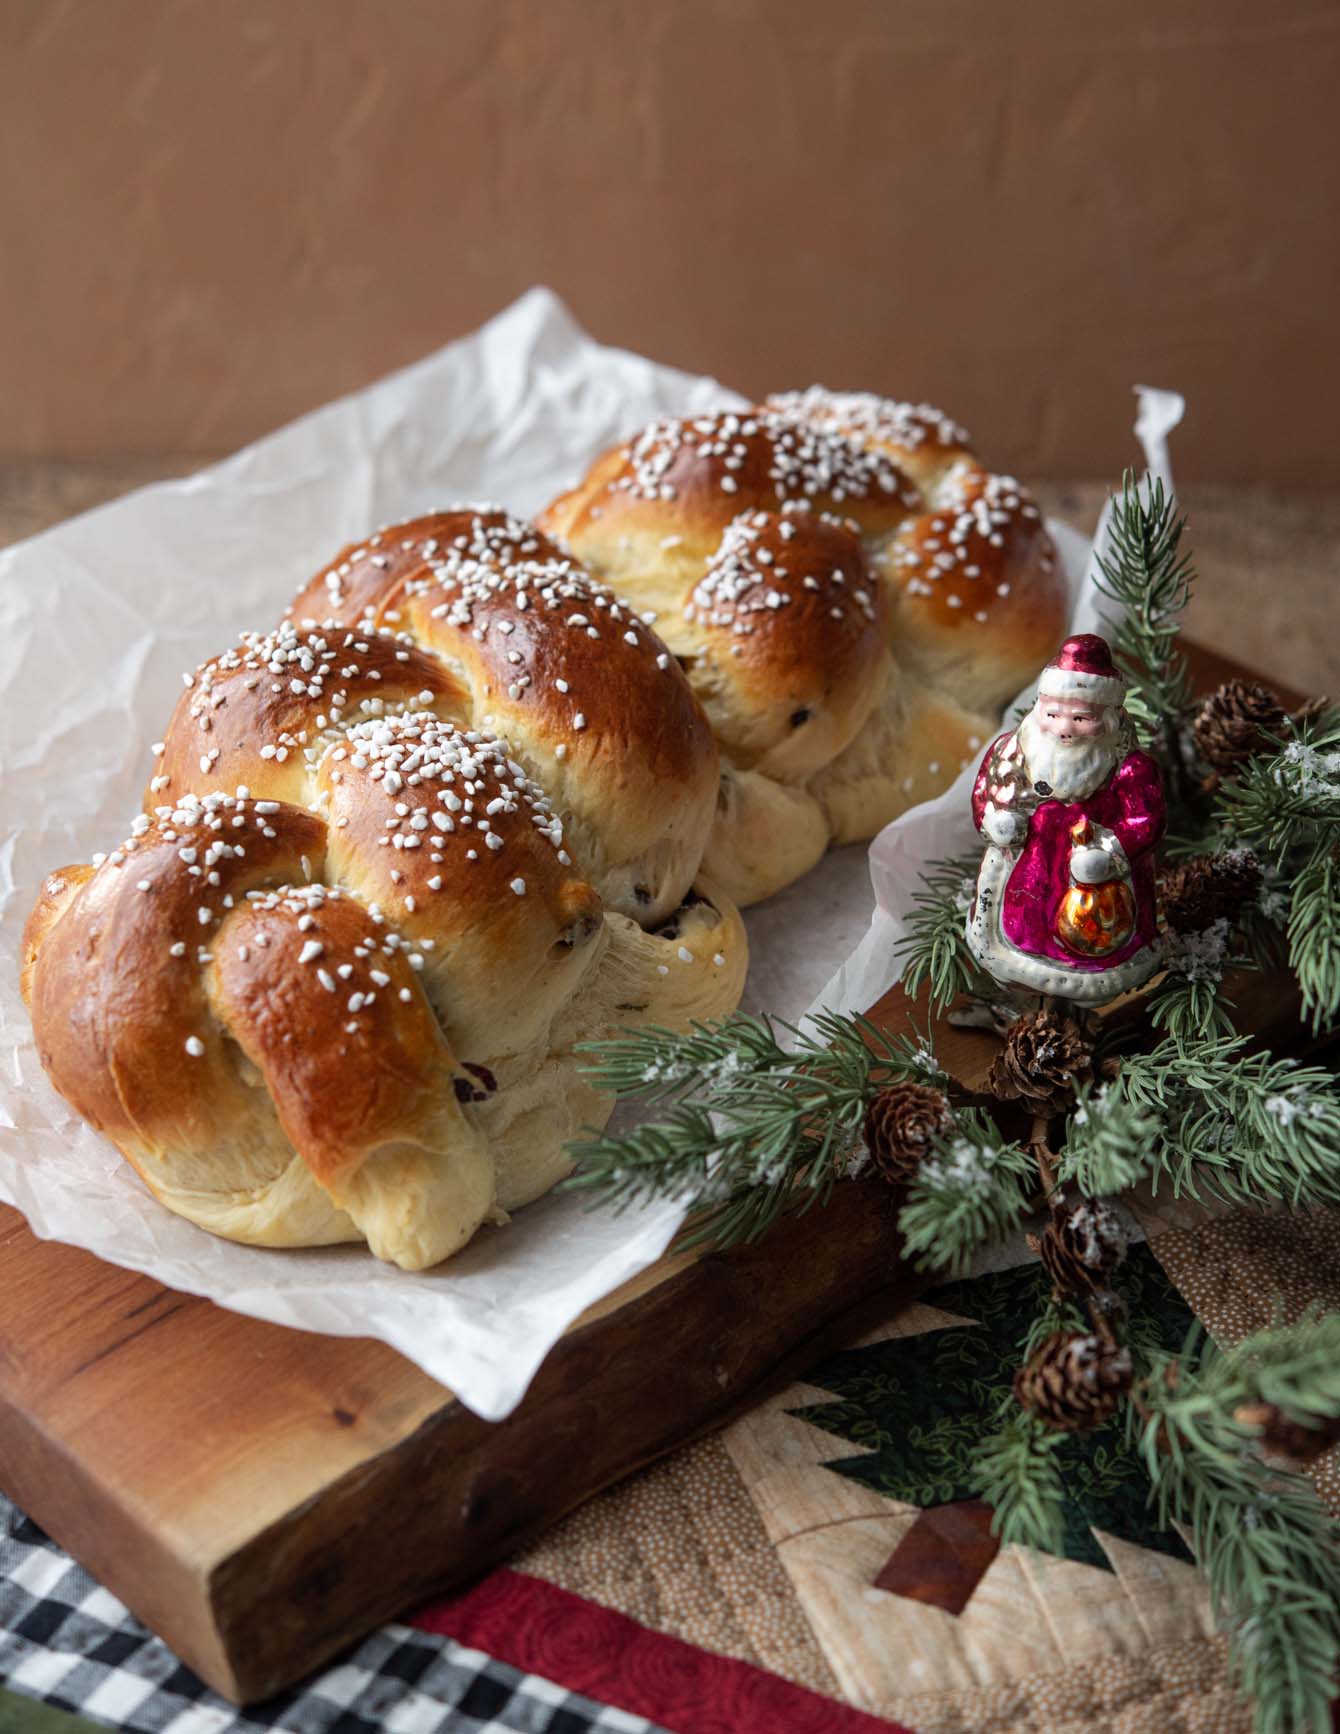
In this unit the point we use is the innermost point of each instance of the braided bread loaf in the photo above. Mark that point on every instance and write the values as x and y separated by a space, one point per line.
464 809
853 597
341 1001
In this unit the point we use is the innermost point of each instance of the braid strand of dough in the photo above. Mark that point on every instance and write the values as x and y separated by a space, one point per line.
853 597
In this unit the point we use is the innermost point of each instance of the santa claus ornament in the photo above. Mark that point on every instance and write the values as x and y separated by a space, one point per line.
1072 811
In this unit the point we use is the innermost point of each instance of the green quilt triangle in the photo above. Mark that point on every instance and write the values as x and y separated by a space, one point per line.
920 1405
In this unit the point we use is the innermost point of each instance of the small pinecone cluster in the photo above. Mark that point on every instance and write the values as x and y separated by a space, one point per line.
900 1124
1233 722
1208 888
1074 1381
1294 1442
1081 1246
1046 1057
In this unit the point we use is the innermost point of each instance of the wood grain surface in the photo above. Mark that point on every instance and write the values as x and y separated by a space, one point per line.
260 1497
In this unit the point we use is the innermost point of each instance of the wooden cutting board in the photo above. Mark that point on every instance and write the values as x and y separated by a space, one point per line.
262 1497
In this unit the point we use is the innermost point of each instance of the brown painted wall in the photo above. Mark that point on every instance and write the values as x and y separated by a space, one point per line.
217 213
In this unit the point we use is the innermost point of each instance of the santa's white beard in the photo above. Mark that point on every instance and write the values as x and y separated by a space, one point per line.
1074 769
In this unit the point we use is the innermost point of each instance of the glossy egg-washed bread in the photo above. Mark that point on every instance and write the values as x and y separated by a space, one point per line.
852 595
490 791
397 859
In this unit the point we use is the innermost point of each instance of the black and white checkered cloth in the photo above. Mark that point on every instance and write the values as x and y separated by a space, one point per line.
67 1641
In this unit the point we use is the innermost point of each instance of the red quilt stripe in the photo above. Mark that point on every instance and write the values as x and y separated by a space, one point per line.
535 1626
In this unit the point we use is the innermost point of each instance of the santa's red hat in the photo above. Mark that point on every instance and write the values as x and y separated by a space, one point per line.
1083 668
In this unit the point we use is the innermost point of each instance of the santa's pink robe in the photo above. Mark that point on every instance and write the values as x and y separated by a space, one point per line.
1131 805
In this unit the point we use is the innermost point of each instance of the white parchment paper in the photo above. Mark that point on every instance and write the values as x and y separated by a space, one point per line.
99 617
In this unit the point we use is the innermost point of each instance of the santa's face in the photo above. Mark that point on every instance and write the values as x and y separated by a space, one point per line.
1071 746
1070 719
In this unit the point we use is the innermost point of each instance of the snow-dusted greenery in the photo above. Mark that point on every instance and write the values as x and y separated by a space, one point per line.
758 1116
1267 1546
971 1189
1210 1118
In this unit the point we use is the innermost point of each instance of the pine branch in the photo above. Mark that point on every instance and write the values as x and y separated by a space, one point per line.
1294 1367
1314 934
1190 1002
1015 1472
1189 1007
1262 1539
969 1190
1146 573
935 945
1289 799
770 1126
657 1064
1209 1118
1110 1142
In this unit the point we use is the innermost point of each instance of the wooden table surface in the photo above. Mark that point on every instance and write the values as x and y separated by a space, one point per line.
1269 562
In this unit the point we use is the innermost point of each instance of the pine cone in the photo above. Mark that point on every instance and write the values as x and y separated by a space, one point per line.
1295 1441
1080 1247
900 1123
1232 723
1045 1058
1209 887
1074 1383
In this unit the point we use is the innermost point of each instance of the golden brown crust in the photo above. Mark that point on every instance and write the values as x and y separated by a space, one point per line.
692 478
444 831
58 890
372 1060
963 580
588 697
919 438
262 714
366 580
785 629
116 994
981 593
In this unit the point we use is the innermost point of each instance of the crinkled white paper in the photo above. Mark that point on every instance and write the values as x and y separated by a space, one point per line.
99 617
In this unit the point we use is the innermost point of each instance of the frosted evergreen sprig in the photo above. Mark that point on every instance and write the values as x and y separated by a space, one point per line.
1314 933
1270 1551
935 947
744 1051
1110 1141
1190 1000
753 1124
969 1190
1016 1473
1148 575
1288 799
1242 1126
